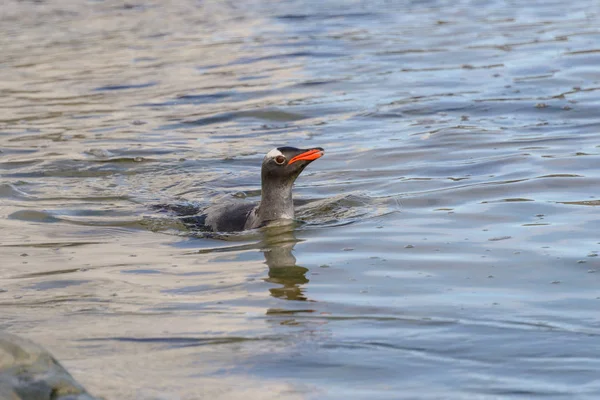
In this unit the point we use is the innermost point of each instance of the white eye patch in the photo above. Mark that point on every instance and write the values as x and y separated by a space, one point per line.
273 153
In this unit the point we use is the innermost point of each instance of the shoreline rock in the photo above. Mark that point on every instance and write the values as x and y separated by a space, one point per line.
29 372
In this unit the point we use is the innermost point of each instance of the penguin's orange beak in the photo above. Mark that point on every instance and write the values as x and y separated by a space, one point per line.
308 155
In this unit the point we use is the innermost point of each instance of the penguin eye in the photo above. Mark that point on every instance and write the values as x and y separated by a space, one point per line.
280 160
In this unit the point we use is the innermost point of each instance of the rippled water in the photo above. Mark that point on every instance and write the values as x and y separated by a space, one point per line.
450 236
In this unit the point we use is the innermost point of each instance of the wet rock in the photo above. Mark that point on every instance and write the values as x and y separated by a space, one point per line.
28 372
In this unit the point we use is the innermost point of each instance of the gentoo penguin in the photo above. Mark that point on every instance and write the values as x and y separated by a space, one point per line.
280 168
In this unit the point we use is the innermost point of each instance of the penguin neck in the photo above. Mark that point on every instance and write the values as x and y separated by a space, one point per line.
276 201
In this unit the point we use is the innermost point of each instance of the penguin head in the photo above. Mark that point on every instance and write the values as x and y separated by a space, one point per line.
284 164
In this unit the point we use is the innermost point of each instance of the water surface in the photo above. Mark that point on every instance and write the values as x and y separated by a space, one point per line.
450 237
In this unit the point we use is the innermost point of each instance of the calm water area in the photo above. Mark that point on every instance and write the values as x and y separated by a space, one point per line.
449 240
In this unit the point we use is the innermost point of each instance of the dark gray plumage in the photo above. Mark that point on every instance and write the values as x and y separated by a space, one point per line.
280 168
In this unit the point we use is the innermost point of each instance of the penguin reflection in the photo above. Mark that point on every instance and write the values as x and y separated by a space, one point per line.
277 245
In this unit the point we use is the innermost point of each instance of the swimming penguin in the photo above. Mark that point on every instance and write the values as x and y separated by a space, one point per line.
280 168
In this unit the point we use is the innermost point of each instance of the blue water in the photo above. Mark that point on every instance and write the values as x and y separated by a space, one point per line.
449 245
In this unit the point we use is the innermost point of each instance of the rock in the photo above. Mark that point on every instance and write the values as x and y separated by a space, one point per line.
28 372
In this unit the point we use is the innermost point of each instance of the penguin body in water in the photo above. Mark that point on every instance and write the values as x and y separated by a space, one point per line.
280 168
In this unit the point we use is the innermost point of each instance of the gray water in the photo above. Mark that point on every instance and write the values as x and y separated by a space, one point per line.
449 241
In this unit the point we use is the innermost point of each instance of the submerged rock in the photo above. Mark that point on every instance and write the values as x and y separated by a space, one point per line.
28 372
